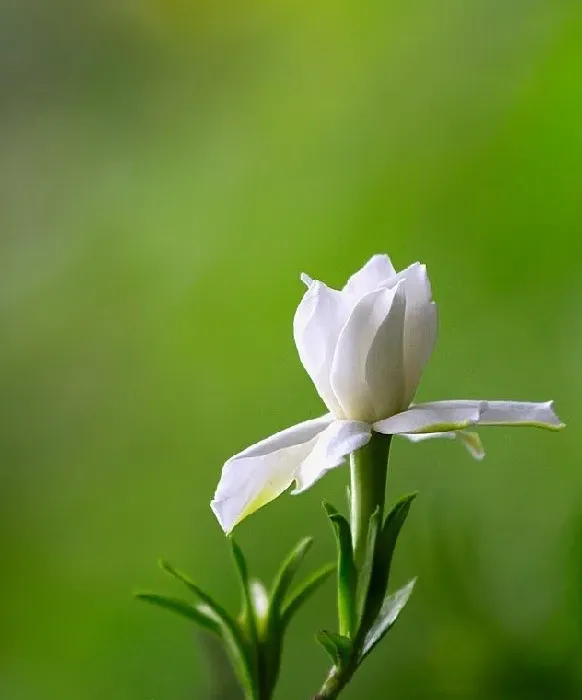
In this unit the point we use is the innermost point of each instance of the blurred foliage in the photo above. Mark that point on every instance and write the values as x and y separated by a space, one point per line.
167 169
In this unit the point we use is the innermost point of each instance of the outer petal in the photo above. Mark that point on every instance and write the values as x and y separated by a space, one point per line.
420 326
263 471
385 362
318 321
338 440
521 413
471 440
366 373
433 417
375 274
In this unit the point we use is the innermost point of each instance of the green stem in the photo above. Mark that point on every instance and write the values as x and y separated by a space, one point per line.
368 471
334 684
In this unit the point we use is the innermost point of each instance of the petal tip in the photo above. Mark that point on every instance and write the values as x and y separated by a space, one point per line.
225 524
557 424
473 443
306 279
296 490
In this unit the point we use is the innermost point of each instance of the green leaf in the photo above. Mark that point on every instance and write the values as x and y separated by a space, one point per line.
191 586
346 571
304 591
232 635
222 683
286 573
386 544
389 612
248 613
365 575
390 532
337 646
192 612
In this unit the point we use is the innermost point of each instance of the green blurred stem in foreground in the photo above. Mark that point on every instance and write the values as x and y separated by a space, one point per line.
368 471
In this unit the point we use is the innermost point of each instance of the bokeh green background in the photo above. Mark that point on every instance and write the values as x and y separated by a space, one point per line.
167 169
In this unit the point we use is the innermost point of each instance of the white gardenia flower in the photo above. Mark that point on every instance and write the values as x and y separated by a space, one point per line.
365 348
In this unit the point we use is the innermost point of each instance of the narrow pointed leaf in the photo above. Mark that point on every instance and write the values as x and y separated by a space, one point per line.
248 613
385 547
284 577
181 607
365 575
346 571
238 650
337 646
194 588
233 636
389 612
304 591
390 532
221 679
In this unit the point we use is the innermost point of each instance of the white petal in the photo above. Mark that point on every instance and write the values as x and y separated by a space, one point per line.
338 440
385 362
318 321
366 373
420 325
470 439
433 417
521 413
263 471
375 274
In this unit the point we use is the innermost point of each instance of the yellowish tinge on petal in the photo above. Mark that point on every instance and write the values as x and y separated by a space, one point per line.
444 427
472 442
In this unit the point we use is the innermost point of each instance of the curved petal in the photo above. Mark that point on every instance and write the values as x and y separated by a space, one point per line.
471 440
420 325
263 471
433 417
318 321
521 413
366 373
384 369
375 274
338 440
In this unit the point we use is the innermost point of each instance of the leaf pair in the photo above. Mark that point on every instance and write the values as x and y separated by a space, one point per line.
375 573
253 641
214 618
365 613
